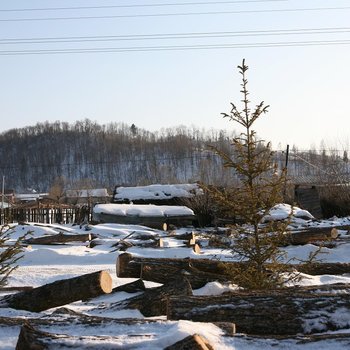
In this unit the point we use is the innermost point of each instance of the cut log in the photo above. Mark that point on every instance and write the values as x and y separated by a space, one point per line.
131 266
31 339
192 342
64 317
19 288
282 312
60 238
311 235
197 278
185 236
153 301
323 268
191 242
61 292
131 287
34 339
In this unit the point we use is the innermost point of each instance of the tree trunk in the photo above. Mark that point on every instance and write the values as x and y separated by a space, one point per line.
34 339
197 278
279 312
153 301
131 266
311 235
131 287
60 238
323 268
60 292
159 270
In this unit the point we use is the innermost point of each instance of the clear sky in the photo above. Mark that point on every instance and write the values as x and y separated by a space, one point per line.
307 86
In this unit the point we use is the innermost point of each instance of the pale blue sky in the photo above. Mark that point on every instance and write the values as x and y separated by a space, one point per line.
307 87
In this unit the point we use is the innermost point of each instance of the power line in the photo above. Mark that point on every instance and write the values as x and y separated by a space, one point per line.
175 14
174 47
190 35
139 5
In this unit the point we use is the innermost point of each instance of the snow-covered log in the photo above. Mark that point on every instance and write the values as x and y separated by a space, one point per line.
279 312
60 292
60 238
31 338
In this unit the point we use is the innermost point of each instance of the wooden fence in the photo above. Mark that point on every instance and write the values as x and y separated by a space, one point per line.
46 215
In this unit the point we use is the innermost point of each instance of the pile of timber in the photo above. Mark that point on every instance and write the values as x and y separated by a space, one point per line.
286 311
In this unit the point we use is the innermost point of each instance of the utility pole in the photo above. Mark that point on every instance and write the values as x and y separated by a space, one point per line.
286 170
3 192
287 156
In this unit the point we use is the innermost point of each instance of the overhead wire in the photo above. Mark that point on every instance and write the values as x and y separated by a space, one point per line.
167 36
173 47
140 15
195 3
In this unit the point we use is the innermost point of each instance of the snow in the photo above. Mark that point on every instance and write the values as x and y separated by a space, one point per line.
283 211
157 192
142 210
45 264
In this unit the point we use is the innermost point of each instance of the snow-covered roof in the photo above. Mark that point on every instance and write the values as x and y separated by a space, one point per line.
85 193
141 210
157 192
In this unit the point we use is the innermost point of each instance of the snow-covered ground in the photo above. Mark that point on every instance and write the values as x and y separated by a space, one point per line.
43 264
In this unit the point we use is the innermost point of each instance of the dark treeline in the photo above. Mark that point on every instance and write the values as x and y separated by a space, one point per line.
108 155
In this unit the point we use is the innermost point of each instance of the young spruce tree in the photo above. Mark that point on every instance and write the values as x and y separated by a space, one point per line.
259 188
9 253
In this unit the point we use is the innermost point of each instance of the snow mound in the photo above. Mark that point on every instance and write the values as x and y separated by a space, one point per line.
282 212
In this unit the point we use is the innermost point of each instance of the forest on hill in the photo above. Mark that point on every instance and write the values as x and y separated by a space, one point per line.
88 153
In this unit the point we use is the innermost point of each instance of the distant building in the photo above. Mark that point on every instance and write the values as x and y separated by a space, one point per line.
87 196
